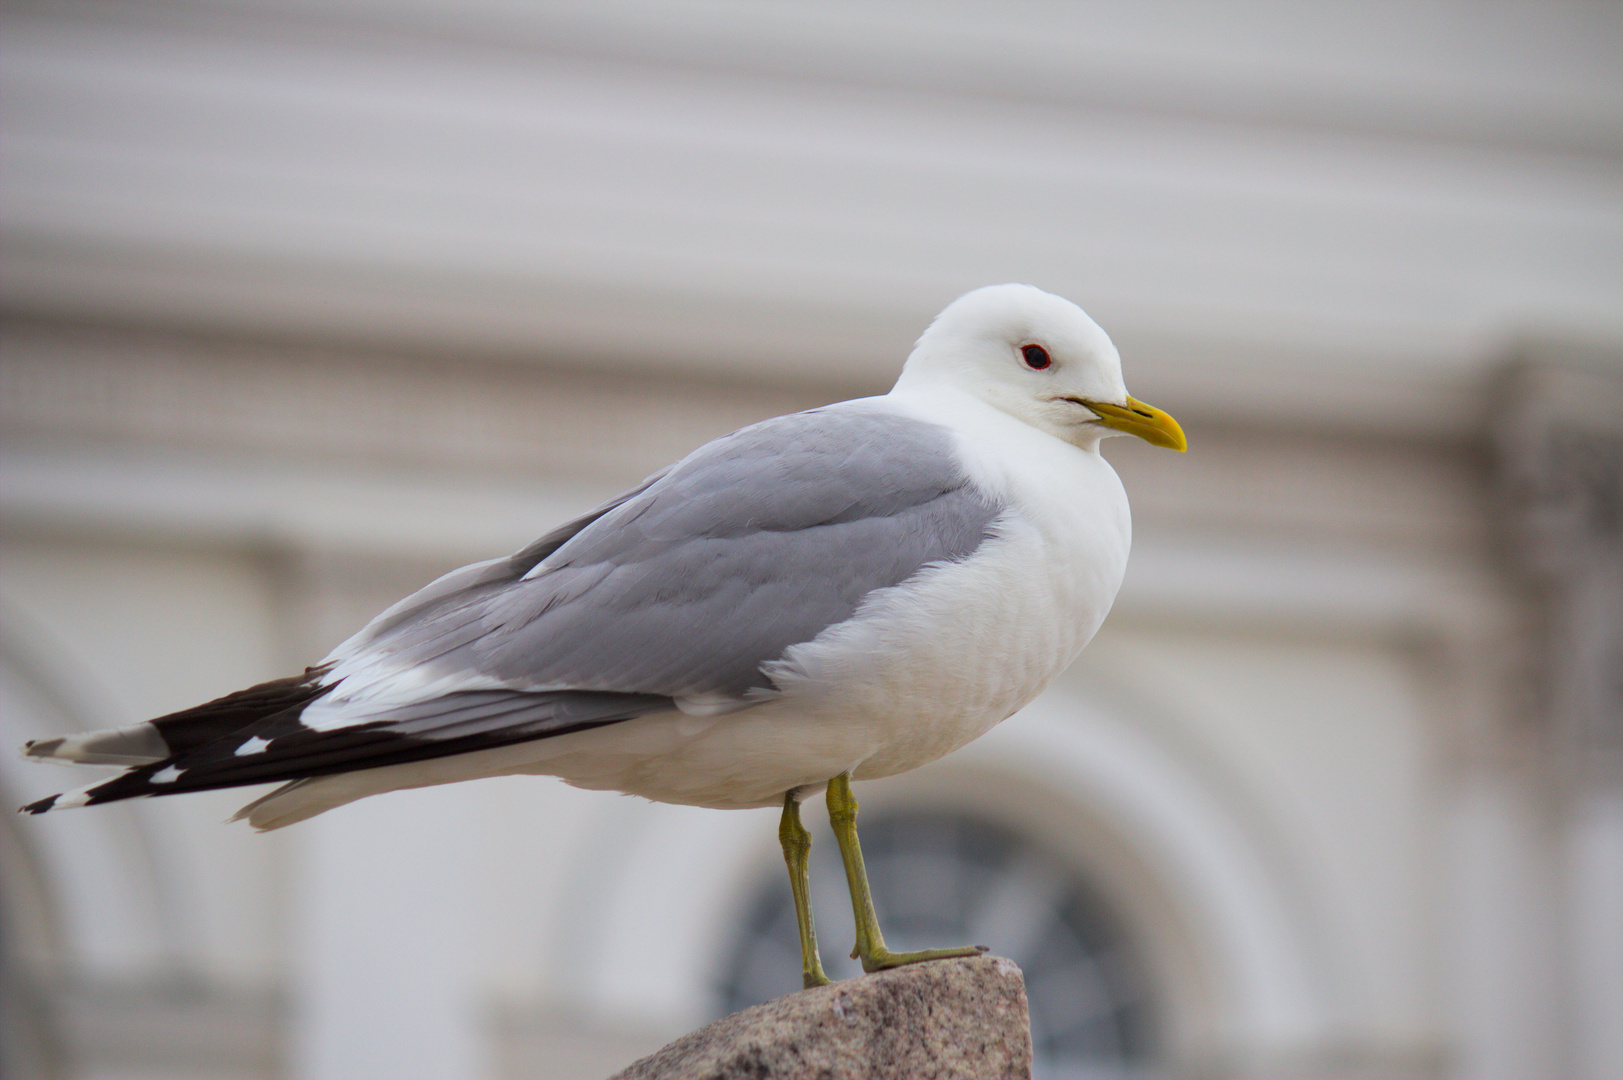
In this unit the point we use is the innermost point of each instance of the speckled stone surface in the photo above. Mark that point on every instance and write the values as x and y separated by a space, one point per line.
934 1021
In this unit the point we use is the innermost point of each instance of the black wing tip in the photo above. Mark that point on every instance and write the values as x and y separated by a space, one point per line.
41 806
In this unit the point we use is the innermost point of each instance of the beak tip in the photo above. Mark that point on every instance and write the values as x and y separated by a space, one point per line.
1154 426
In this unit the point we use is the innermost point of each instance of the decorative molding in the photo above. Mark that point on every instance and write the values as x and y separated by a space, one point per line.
168 1028
78 386
1274 222
1560 477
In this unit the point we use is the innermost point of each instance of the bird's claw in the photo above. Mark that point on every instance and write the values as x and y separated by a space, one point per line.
884 959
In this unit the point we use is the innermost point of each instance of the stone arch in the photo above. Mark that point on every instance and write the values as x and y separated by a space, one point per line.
1240 952
1236 953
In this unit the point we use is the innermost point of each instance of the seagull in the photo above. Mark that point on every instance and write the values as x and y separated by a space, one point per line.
840 594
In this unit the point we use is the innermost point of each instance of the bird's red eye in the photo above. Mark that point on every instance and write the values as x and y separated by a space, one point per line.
1036 357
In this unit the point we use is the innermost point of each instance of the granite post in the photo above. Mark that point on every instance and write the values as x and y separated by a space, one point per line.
935 1021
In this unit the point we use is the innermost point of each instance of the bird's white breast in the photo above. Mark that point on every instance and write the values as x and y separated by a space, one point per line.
937 661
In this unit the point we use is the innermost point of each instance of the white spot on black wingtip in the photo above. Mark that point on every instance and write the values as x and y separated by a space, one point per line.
254 745
40 807
65 801
167 776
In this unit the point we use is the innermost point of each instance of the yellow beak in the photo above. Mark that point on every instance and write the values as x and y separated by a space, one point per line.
1146 421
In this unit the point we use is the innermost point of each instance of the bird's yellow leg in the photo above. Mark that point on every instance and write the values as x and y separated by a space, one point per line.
796 853
842 814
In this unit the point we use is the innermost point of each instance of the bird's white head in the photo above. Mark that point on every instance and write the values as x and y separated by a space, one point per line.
1039 358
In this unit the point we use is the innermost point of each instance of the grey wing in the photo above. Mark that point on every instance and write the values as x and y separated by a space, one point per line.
456 585
686 586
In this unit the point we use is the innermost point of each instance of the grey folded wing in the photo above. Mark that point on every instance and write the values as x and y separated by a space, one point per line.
687 586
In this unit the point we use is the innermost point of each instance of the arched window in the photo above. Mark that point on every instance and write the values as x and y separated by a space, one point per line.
948 878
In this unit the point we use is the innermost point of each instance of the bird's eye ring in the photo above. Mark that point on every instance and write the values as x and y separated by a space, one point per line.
1036 357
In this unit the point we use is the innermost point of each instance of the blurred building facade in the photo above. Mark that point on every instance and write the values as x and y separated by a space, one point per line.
306 303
